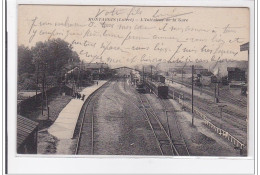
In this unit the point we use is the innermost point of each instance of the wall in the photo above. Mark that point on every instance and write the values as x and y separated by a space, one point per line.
33 102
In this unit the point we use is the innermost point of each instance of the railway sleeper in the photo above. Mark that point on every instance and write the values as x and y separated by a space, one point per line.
178 142
167 142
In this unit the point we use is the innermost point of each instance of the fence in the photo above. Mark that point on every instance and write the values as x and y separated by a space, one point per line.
225 134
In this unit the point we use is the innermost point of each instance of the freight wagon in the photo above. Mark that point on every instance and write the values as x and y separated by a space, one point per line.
160 89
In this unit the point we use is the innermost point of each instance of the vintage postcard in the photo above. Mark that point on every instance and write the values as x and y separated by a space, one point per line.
132 80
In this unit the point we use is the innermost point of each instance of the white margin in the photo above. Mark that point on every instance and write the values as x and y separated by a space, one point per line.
123 164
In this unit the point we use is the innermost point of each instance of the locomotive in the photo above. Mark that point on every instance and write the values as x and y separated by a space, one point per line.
137 81
135 77
200 80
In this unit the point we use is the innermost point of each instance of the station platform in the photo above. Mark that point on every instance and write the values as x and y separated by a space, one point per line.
63 127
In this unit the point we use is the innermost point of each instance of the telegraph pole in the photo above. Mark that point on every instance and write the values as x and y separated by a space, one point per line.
218 89
221 109
192 122
46 97
217 92
42 91
37 81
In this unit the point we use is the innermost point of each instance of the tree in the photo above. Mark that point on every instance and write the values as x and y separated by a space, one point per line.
56 53
50 59
53 56
26 81
25 60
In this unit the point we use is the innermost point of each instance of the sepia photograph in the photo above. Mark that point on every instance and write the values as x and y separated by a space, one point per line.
132 80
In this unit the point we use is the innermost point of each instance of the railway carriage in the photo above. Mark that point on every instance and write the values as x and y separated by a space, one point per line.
160 89
159 78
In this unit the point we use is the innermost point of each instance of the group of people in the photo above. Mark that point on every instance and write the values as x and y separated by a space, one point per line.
79 96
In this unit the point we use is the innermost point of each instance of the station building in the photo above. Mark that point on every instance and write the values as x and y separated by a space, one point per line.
27 133
236 74
99 71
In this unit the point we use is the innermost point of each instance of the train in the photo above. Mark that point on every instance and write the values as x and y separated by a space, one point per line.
142 85
137 81
159 78
222 80
160 89
135 77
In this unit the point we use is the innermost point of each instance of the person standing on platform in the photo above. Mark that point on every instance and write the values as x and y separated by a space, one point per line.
83 97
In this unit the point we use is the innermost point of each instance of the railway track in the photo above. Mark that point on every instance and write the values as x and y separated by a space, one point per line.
231 111
84 131
235 126
209 107
169 143
177 137
163 138
230 98
223 95
174 131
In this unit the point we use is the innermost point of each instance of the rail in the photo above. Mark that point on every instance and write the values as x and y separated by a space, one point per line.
208 92
177 126
173 148
218 130
83 118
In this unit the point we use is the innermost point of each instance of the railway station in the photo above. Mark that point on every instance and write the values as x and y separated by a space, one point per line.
142 111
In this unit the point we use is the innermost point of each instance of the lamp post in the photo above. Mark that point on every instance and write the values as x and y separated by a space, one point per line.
215 81
221 106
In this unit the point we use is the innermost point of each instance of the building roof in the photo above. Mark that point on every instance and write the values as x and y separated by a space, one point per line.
235 68
25 127
244 47
75 68
22 95
96 65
